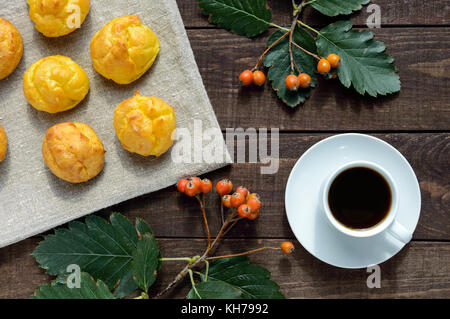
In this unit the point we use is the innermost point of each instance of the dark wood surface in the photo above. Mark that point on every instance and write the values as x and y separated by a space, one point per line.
416 121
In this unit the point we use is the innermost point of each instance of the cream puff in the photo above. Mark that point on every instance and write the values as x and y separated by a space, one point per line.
124 49
3 144
55 18
11 48
144 125
73 152
55 84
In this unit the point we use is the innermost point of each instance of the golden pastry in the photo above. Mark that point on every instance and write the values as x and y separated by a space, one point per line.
144 125
11 48
55 84
73 152
124 49
55 18
3 144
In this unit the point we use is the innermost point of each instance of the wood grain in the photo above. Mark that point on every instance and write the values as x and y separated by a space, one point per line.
400 12
420 270
173 215
422 103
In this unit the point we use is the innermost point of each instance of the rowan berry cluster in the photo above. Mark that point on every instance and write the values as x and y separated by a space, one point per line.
294 82
243 205
246 203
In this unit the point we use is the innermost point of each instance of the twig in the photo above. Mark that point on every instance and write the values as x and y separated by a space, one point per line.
205 220
291 33
268 49
193 263
306 51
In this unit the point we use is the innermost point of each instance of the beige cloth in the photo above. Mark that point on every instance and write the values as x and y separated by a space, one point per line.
32 199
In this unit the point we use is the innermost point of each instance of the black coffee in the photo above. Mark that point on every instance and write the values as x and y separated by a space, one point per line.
359 198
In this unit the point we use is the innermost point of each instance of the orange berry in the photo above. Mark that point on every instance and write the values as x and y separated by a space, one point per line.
224 187
304 80
323 67
226 201
194 179
237 199
205 186
259 78
244 211
334 60
243 190
254 204
246 77
291 82
253 195
181 185
191 189
254 215
287 247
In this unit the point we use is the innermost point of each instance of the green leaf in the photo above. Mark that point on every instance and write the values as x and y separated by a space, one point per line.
278 60
236 278
146 262
89 289
214 290
126 286
363 61
102 249
335 7
243 17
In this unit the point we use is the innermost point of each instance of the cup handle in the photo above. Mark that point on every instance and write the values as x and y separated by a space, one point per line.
399 231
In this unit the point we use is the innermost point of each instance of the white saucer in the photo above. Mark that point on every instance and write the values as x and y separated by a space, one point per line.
303 200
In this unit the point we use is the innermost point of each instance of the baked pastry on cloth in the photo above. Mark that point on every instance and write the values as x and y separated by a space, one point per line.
124 49
3 144
11 48
55 84
73 152
144 125
55 18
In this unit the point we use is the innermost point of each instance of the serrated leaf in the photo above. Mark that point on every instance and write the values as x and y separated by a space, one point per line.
363 61
89 289
278 60
237 277
336 7
243 17
102 249
214 290
146 262
126 286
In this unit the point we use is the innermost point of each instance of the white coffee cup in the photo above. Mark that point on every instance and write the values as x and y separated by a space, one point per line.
388 224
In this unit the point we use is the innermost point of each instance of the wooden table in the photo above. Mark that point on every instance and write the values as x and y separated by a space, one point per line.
416 121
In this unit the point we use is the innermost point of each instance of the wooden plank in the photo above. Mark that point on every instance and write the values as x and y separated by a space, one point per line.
422 104
174 215
420 270
402 12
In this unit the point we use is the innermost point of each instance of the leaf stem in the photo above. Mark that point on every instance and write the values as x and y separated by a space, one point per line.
308 27
176 259
279 27
244 253
309 2
191 275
